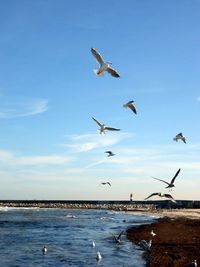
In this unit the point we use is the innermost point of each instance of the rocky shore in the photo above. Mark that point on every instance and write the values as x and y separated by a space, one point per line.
176 243
84 205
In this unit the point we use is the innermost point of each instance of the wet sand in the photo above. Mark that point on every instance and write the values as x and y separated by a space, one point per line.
177 239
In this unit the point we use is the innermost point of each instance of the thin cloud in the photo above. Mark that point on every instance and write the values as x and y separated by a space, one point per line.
10 158
13 109
88 142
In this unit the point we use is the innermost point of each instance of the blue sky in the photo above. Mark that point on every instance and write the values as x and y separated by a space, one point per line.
49 145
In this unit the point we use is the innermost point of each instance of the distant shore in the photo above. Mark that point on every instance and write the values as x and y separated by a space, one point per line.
123 205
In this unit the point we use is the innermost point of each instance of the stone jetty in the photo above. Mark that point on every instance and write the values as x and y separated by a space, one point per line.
94 204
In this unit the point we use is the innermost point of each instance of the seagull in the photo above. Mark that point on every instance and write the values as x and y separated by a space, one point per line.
145 245
104 183
162 195
110 153
44 250
118 238
98 257
192 264
152 233
104 66
179 137
171 184
103 127
93 244
131 106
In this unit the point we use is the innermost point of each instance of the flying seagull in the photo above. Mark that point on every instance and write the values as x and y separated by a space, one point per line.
179 137
162 195
118 238
103 127
171 184
104 183
110 153
104 66
131 106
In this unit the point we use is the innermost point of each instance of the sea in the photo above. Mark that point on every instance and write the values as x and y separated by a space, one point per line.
68 235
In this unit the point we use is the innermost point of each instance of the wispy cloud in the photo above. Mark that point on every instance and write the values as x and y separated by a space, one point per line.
87 142
21 108
10 158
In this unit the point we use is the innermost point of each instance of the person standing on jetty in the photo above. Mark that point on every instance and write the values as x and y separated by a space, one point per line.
131 197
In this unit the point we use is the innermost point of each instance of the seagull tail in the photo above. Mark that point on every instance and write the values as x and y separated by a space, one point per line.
96 72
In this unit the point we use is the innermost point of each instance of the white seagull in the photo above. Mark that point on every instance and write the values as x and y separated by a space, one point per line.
110 153
162 195
145 245
192 264
104 66
93 244
44 250
103 127
98 257
171 184
131 106
152 233
179 137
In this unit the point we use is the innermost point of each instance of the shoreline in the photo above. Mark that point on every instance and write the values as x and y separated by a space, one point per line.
177 240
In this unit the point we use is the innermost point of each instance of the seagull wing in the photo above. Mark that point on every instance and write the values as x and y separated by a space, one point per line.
130 102
154 194
170 197
109 183
111 129
173 179
132 107
161 180
115 238
183 139
109 152
113 72
97 121
97 56
119 236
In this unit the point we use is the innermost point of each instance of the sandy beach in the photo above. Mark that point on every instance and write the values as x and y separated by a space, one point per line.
177 239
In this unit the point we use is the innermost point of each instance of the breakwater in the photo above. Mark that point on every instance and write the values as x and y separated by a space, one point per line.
100 204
